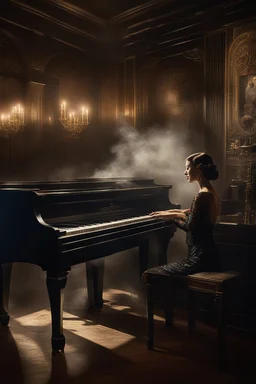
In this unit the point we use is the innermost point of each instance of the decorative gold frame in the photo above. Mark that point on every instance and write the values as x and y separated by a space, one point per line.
241 61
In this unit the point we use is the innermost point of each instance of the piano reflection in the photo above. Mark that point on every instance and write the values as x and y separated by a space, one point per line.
59 224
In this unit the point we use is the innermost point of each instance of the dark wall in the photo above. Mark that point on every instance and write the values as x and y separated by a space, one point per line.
174 91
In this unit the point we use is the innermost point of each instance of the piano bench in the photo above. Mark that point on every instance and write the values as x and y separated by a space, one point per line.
217 284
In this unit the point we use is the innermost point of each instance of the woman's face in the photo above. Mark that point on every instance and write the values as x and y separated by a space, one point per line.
191 172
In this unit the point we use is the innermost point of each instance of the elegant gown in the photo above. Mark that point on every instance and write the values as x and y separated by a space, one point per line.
202 252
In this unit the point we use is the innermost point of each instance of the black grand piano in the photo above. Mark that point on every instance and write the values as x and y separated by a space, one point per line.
59 224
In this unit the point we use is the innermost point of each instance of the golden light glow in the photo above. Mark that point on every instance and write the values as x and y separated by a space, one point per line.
74 122
12 122
99 334
174 104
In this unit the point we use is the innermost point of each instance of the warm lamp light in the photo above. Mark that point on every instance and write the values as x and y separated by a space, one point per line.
73 122
13 122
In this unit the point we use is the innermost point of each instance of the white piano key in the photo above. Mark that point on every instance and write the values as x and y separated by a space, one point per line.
101 226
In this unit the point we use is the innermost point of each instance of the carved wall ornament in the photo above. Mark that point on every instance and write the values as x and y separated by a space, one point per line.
241 87
242 58
195 54
244 27
39 58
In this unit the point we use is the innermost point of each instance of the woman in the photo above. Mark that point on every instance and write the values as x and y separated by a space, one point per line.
199 220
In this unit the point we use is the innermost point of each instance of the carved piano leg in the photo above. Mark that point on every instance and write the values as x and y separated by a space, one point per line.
5 279
56 283
95 277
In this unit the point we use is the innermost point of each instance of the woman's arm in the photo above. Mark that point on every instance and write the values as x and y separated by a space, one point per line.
169 214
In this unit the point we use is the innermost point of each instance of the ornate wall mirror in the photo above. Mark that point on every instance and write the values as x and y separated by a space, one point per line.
240 102
241 88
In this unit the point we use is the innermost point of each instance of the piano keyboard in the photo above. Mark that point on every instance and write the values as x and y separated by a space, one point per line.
102 226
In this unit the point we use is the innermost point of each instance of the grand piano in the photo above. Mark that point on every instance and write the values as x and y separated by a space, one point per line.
59 224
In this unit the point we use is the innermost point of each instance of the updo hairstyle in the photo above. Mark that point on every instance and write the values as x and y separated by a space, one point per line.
204 162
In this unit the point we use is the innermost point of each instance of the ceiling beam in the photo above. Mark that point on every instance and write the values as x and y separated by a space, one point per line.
77 11
139 10
53 20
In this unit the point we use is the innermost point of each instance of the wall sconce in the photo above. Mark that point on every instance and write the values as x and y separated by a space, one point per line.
13 122
72 122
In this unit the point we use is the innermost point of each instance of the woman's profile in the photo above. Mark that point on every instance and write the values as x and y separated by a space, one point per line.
199 220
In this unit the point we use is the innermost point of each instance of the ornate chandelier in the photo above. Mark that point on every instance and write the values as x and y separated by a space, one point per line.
13 122
72 122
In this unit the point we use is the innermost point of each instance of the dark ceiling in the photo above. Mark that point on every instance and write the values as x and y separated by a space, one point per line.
125 27
107 9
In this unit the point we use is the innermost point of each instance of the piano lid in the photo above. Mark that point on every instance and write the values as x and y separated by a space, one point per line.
84 184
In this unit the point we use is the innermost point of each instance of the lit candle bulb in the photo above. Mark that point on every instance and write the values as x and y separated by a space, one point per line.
63 110
82 114
18 114
22 115
87 116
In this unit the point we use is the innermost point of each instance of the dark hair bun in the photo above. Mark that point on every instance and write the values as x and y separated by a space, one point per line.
203 161
209 171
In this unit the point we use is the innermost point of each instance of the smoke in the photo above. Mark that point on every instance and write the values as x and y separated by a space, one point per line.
158 153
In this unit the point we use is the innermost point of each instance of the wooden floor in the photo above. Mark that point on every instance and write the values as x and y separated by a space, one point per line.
109 347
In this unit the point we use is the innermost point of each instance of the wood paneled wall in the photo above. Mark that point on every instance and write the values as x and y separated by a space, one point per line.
214 108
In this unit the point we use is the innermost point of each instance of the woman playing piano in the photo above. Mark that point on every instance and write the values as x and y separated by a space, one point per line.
199 220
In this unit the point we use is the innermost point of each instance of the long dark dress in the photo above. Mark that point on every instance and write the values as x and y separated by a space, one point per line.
202 252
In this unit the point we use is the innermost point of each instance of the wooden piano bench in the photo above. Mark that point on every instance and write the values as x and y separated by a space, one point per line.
217 284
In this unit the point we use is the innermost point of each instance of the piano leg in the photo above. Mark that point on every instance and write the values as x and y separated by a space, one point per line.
56 283
95 276
163 239
144 256
5 279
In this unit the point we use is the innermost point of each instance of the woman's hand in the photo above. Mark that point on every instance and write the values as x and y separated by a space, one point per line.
167 215
179 210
